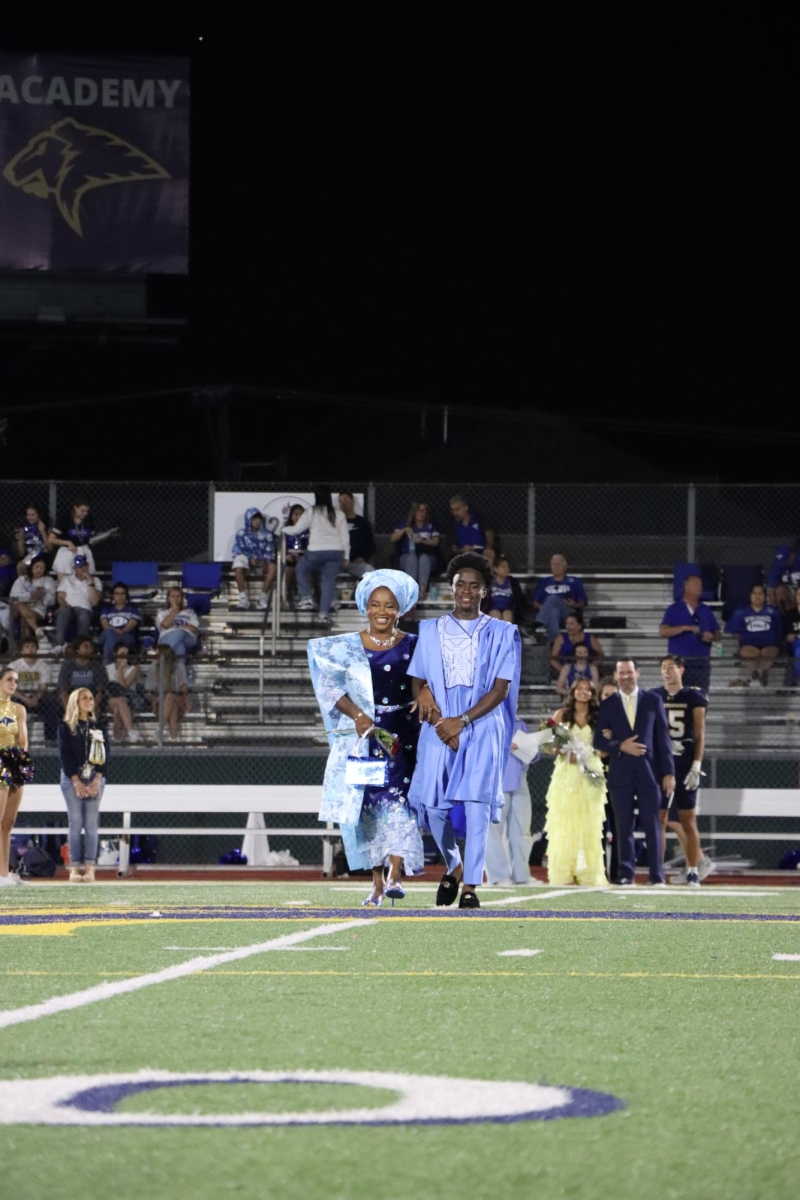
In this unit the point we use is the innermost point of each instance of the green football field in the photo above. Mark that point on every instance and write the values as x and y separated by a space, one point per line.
276 1040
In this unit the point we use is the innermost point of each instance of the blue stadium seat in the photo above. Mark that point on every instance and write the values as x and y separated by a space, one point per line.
737 584
201 582
138 577
707 572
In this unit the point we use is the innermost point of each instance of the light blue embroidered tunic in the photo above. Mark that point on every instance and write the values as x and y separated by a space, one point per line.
376 822
460 661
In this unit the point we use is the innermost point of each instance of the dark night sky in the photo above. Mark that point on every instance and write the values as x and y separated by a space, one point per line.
585 209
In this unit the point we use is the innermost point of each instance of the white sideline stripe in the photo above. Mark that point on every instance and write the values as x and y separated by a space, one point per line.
517 953
287 949
105 991
678 892
786 957
546 895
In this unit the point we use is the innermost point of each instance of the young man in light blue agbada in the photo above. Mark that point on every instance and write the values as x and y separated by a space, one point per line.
466 670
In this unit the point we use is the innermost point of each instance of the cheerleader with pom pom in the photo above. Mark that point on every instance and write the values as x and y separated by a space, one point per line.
83 749
16 768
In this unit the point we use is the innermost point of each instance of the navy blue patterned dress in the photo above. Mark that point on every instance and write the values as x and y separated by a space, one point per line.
387 824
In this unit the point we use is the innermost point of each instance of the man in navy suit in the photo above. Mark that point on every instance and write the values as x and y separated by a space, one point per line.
632 729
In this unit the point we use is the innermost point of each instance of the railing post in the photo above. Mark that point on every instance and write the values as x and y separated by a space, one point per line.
531 531
211 494
261 679
52 501
277 592
371 504
161 699
691 522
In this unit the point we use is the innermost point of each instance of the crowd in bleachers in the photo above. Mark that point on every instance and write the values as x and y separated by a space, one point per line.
134 643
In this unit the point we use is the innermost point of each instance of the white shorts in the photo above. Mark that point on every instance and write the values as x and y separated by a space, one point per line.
63 561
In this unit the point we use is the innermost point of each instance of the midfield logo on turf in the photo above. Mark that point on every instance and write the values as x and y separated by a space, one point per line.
422 1100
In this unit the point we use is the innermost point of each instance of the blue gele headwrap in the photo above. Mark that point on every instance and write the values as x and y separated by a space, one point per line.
404 589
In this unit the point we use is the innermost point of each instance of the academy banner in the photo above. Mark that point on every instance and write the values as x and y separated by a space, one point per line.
94 164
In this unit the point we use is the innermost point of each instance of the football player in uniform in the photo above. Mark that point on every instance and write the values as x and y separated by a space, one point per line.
686 717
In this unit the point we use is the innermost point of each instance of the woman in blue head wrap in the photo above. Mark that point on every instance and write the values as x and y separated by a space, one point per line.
360 681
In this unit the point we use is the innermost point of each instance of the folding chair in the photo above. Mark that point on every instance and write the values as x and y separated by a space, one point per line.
201 582
737 584
140 578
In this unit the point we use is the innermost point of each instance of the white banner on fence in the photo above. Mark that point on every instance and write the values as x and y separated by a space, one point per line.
230 507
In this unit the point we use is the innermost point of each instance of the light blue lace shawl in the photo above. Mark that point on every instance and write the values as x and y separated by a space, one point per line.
340 667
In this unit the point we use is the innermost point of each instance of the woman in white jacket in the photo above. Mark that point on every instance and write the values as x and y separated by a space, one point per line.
328 551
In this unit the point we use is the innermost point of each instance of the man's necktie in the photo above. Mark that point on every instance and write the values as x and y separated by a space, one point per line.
631 711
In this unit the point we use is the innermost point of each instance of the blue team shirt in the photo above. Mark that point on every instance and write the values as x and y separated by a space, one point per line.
570 587
471 534
118 617
502 595
428 530
296 543
763 628
690 645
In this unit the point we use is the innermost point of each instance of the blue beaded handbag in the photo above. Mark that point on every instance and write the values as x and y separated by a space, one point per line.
365 769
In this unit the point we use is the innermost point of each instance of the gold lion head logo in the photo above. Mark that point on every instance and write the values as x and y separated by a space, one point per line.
69 159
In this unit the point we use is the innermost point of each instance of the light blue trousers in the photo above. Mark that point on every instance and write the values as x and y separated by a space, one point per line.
478 821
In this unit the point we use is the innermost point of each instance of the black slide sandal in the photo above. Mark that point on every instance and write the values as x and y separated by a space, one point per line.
469 900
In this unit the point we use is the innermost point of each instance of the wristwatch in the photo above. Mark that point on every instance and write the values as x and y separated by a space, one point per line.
465 719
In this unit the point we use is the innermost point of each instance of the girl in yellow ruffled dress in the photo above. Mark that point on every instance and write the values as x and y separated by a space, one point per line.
575 805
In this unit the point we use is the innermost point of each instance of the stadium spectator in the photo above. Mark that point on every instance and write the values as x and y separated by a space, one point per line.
574 635
32 539
71 535
468 534
34 596
328 551
119 621
124 698
8 570
34 676
504 601
176 690
5 625
296 546
78 595
362 539
83 750
579 668
557 595
254 549
177 625
419 545
81 669
791 631
784 576
759 629
691 627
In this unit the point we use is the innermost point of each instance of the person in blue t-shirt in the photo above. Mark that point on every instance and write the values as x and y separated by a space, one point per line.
468 532
296 546
505 599
119 622
791 631
784 576
759 629
419 545
557 595
254 547
691 627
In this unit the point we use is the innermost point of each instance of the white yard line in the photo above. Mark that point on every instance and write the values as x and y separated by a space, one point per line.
105 991
683 893
786 957
517 953
546 895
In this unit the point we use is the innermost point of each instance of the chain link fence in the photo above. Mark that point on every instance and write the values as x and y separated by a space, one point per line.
599 527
